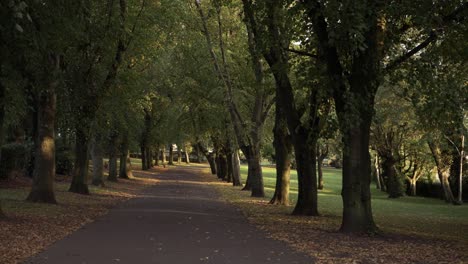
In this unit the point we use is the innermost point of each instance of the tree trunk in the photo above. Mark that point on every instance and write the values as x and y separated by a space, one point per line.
156 158
443 162
125 163
2 106
460 173
44 164
163 155
320 172
283 149
143 157
198 154
224 167
209 157
171 154
236 175
413 186
230 166
98 162
149 158
179 155
377 171
112 158
187 156
80 173
112 168
394 183
254 173
357 210
306 161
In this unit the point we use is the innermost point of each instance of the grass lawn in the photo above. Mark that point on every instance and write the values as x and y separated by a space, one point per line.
416 215
415 229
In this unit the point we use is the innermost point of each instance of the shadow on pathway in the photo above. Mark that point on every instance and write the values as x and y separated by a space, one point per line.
179 220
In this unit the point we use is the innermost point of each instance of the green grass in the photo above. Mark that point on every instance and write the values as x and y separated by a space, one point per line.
407 215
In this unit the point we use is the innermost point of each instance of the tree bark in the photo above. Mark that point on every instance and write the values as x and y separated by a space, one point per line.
187 155
443 162
209 157
163 155
125 162
394 183
357 210
377 171
179 154
80 174
98 161
236 175
230 166
460 173
149 158
321 155
413 186
283 149
44 165
156 158
306 175
143 157
112 158
171 154
254 173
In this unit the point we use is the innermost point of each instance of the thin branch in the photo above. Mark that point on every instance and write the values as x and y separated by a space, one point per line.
432 37
456 15
302 53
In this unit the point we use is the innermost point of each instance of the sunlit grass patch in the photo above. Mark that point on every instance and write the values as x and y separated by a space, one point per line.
413 227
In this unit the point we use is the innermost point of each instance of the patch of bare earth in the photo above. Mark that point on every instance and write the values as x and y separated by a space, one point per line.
318 236
30 227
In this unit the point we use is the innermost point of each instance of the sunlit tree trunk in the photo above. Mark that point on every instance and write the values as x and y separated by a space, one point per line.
236 175
44 165
443 162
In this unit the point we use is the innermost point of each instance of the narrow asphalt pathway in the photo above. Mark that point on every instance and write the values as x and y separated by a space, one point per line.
181 220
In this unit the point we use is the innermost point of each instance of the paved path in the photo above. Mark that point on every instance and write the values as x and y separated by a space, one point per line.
181 220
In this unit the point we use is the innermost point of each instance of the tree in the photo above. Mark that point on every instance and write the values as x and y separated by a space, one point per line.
248 137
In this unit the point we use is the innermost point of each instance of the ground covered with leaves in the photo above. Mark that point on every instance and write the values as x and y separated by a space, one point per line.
319 236
28 228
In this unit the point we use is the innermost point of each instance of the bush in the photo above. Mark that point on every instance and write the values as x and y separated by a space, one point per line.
64 161
13 157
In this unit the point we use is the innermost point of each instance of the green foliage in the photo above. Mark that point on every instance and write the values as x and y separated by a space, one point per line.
13 157
64 161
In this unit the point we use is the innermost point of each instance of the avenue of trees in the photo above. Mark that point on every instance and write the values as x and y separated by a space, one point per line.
377 87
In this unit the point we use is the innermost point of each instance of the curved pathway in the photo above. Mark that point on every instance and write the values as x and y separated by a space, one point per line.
180 220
